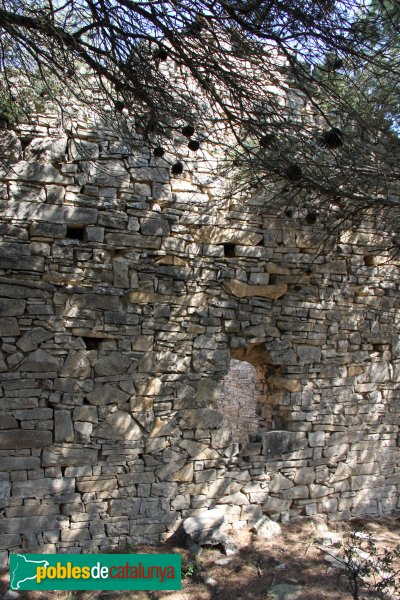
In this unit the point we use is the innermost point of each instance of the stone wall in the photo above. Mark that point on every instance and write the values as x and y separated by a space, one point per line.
124 293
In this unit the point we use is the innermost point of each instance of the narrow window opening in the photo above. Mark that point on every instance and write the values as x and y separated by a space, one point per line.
25 142
248 397
229 250
76 233
369 260
272 279
92 343
239 400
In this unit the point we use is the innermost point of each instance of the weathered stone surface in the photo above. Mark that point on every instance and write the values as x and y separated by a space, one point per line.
28 290
22 263
304 475
285 591
244 290
267 529
27 524
10 146
92 301
201 418
33 171
48 230
276 443
127 507
204 341
162 428
201 527
309 354
8 422
237 499
85 413
62 456
131 240
19 463
193 448
96 485
46 486
316 438
276 505
279 482
118 426
11 307
210 360
107 394
34 414
32 338
185 474
5 489
196 299
82 149
63 427
9 327
47 149
23 438
210 234
342 472
154 227
112 364
76 365
39 361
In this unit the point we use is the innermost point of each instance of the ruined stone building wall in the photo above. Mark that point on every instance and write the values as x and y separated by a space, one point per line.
124 295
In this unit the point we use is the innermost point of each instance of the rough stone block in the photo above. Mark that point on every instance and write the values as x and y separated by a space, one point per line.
112 364
107 394
14 439
118 426
154 227
316 438
276 443
125 507
201 418
63 427
8 422
244 290
39 361
43 487
9 327
64 456
76 365
10 307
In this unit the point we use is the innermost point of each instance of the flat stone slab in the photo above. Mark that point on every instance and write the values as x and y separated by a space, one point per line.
284 591
267 528
244 290
208 521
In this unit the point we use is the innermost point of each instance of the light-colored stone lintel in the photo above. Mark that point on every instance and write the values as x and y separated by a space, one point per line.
244 290
197 299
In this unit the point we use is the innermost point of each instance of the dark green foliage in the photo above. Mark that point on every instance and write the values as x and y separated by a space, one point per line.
194 145
177 168
158 152
333 138
188 130
294 172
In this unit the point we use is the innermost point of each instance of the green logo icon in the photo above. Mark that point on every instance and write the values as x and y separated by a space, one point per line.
95 572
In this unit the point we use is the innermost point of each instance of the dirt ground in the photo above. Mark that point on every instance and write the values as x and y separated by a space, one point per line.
298 558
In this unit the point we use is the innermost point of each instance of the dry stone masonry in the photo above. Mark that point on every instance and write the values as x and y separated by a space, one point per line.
125 294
